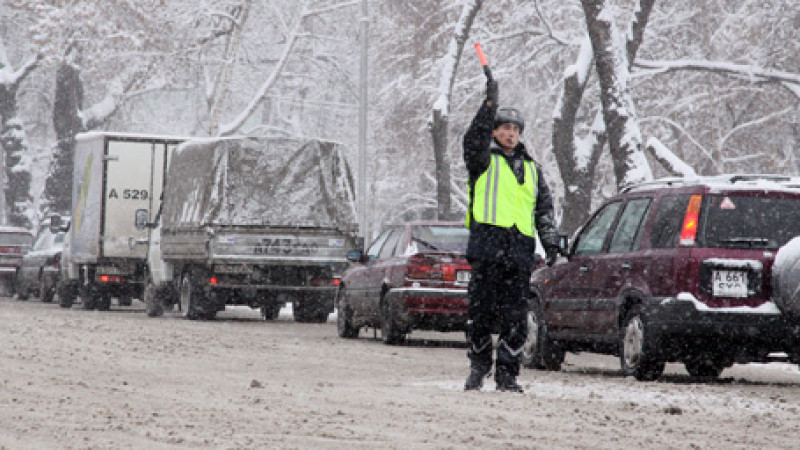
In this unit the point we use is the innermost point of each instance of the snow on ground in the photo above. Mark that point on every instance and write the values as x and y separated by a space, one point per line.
87 379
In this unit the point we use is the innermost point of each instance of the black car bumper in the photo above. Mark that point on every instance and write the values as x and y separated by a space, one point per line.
684 328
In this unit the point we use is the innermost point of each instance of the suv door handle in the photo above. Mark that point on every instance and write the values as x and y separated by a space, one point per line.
626 266
584 268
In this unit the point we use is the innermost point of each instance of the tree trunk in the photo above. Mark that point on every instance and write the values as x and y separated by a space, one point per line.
439 133
619 113
577 167
441 108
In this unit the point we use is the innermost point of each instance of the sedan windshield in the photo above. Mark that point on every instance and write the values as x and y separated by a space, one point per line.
441 238
738 221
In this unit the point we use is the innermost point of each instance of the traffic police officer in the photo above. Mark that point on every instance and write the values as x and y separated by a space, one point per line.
509 206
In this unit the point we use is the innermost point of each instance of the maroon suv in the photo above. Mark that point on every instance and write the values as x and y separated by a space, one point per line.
672 270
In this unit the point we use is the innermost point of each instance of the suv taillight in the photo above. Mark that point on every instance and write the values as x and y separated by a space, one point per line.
689 229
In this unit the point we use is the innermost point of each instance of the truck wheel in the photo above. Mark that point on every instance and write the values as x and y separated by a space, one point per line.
344 319
125 300
67 293
104 302
539 352
46 293
192 298
310 309
153 304
90 296
635 347
270 311
19 287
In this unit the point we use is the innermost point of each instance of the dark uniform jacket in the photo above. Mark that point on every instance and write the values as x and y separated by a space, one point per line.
489 242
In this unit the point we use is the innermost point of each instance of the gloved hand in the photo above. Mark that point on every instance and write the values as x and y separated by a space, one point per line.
552 255
492 91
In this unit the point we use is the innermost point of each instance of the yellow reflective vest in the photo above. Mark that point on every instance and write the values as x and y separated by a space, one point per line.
497 198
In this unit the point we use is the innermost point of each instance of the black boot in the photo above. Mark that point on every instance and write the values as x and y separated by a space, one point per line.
475 378
507 382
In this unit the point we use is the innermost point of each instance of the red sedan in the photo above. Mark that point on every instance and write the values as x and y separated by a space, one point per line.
413 276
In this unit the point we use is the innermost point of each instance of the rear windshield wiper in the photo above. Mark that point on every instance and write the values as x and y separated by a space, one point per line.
749 241
424 242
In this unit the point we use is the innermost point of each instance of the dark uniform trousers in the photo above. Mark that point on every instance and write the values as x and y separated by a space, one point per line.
497 295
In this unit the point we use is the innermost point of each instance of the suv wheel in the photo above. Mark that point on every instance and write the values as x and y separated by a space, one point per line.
703 369
539 352
636 342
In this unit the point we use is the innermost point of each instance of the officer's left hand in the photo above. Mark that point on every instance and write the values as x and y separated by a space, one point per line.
551 255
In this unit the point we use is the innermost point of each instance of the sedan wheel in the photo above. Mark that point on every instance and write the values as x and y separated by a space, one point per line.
635 343
344 319
390 332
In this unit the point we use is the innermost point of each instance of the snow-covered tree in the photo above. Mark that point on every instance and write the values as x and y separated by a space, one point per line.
15 196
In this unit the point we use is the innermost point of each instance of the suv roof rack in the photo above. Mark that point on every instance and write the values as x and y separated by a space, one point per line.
782 180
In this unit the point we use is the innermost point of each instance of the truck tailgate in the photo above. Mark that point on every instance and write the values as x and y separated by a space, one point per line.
280 247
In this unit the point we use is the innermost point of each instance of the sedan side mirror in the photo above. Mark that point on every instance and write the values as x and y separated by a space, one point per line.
355 256
563 244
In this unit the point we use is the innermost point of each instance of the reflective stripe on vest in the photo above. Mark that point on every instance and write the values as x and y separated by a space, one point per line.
498 199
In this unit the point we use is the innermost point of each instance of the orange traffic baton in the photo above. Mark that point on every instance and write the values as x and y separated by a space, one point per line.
483 61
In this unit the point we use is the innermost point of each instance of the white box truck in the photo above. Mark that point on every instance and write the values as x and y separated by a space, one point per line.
114 175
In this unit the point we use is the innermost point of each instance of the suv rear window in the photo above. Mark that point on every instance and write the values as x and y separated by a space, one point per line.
740 221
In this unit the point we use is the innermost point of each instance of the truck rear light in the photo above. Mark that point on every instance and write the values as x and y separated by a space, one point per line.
110 279
213 280
689 229
324 281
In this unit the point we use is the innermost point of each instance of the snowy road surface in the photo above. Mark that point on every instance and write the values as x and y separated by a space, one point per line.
118 379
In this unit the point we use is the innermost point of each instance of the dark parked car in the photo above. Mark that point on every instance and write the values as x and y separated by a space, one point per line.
38 272
413 276
14 243
674 270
